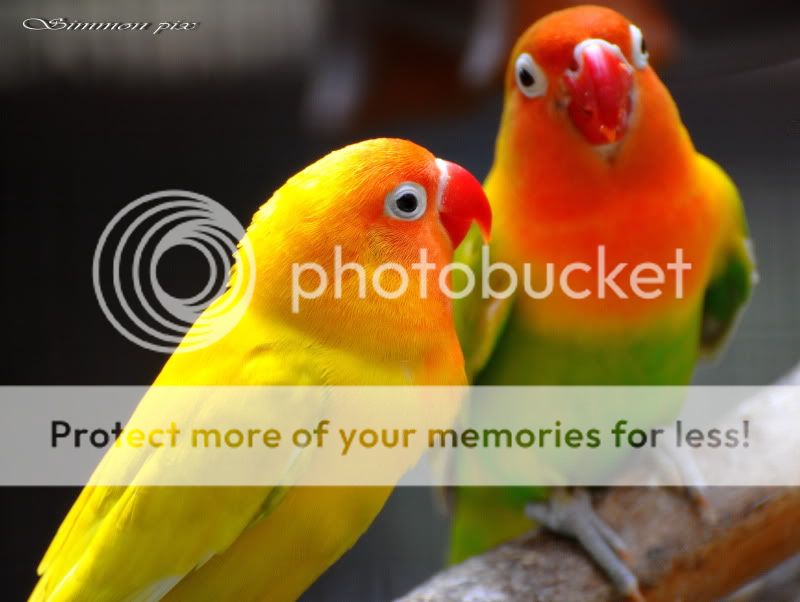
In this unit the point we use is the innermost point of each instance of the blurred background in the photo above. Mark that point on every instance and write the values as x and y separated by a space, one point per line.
254 92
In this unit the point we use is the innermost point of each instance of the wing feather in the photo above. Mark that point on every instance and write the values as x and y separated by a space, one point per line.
734 271
137 542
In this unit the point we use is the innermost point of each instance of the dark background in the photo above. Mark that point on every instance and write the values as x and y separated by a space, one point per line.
89 128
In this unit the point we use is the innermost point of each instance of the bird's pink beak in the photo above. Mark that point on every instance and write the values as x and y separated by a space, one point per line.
462 202
600 101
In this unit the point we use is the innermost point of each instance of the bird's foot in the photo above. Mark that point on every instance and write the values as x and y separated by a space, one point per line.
679 460
571 514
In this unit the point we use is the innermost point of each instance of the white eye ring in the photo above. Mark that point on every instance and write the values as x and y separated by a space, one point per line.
639 52
407 201
531 80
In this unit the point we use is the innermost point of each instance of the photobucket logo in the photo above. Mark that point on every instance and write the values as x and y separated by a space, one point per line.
644 280
130 249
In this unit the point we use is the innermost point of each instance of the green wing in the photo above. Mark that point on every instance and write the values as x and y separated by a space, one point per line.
479 321
734 270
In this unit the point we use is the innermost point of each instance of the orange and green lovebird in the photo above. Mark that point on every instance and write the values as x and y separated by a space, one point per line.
593 169
381 201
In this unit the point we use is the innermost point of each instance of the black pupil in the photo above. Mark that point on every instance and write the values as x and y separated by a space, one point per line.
644 46
525 77
407 203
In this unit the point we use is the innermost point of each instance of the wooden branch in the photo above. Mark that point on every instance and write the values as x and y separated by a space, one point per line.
781 584
674 552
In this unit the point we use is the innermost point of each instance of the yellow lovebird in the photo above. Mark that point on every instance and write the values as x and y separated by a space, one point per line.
380 201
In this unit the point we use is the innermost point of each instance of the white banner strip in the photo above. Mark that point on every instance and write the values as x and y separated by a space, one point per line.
423 436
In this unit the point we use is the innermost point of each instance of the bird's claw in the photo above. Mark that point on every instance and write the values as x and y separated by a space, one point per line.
571 514
694 486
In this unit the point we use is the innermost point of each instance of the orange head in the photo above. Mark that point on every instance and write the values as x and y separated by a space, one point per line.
374 206
383 198
592 152
580 78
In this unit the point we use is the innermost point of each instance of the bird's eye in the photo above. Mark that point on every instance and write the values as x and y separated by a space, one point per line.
531 79
407 201
638 48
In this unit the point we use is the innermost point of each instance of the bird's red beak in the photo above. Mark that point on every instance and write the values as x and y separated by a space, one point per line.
600 101
462 202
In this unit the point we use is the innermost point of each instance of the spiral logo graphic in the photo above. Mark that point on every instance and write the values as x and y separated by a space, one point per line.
125 271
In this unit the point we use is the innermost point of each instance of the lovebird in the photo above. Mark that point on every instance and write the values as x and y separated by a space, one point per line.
593 171
382 201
